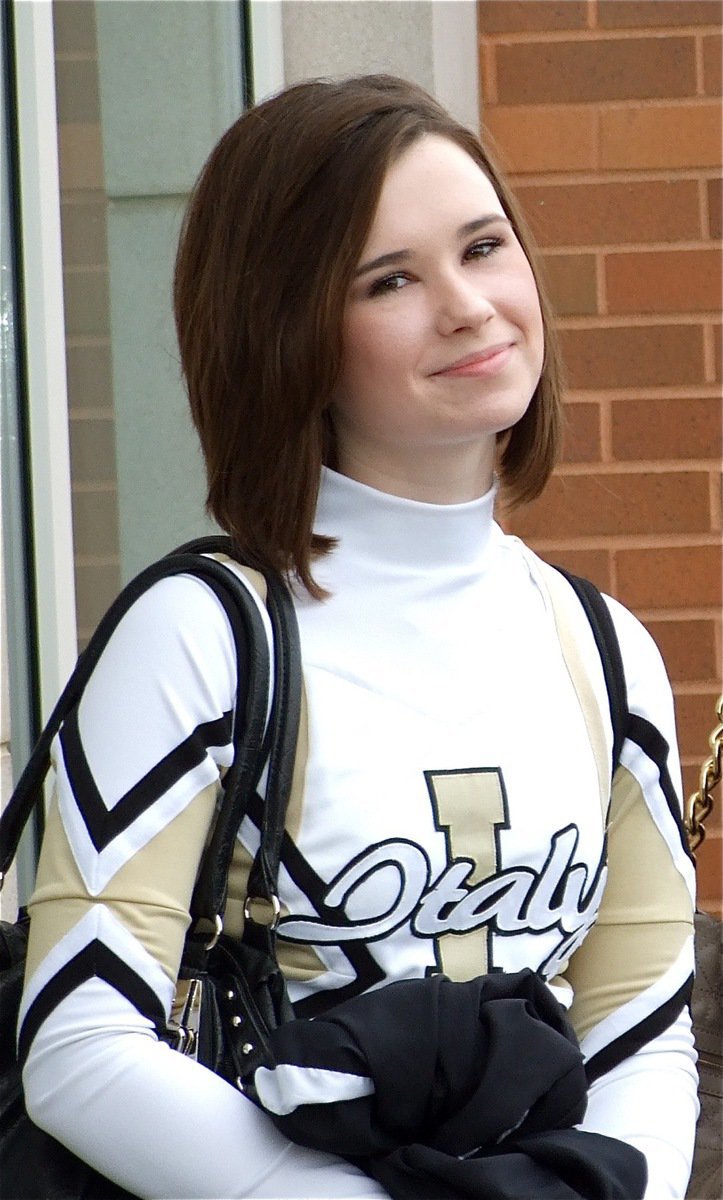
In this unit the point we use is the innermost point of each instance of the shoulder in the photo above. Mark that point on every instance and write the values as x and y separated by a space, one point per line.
172 651
649 694
646 676
651 730
178 618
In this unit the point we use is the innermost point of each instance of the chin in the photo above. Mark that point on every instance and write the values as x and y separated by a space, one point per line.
502 417
514 410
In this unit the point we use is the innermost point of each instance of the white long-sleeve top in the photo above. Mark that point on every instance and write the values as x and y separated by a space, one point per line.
452 810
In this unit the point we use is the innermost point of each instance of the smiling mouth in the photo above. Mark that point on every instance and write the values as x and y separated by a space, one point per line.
486 362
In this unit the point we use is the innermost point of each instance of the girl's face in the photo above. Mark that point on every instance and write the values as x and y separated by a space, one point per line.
443 335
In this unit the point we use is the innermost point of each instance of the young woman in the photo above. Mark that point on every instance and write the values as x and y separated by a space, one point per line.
370 364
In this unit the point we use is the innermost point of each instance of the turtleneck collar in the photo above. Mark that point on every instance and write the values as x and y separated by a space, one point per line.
377 527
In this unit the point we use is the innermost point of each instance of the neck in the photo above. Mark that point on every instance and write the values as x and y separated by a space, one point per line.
386 531
448 475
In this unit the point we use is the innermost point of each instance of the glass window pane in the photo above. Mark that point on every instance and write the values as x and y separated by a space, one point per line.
144 91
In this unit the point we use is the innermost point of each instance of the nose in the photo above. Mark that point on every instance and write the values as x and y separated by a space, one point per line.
461 303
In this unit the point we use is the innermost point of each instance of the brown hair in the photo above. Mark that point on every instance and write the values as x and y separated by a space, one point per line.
271 237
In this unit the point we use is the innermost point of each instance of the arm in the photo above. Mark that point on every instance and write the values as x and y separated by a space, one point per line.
632 975
138 770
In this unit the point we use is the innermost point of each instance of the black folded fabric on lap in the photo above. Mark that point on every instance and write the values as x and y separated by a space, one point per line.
442 1089
564 1164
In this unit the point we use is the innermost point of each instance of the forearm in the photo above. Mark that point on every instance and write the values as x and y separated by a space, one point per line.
158 1123
650 1101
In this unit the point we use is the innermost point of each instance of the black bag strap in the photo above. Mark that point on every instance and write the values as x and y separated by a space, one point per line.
27 792
261 907
606 639
250 745
282 751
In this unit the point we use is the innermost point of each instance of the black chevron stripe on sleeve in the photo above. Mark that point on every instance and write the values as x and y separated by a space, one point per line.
637 1037
105 824
99 961
654 745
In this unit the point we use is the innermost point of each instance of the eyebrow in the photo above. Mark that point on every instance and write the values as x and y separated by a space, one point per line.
400 256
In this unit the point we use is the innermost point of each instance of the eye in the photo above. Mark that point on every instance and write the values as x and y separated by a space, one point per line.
484 247
389 283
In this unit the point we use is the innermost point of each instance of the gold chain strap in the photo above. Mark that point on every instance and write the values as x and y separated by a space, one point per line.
700 803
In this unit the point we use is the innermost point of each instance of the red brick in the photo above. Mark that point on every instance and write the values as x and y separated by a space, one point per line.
499 16
712 52
633 357
641 14
663 136
531 140
688 648
581 442
663 281
664 502
571 281
583 71
660 429
715 195
602 213
695 718
670 577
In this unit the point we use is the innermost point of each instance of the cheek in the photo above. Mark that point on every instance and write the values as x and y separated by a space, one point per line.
374 347
533 299
536 325
527 302
360 365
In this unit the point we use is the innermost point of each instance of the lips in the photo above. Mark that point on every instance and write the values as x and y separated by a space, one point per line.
480 362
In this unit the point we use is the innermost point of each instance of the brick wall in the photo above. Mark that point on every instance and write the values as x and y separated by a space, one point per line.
606 115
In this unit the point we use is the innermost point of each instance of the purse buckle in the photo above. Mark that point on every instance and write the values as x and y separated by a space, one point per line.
216 926
270 913
183 1034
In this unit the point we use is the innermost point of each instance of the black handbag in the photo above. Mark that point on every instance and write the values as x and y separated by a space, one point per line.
706 1182
235 987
